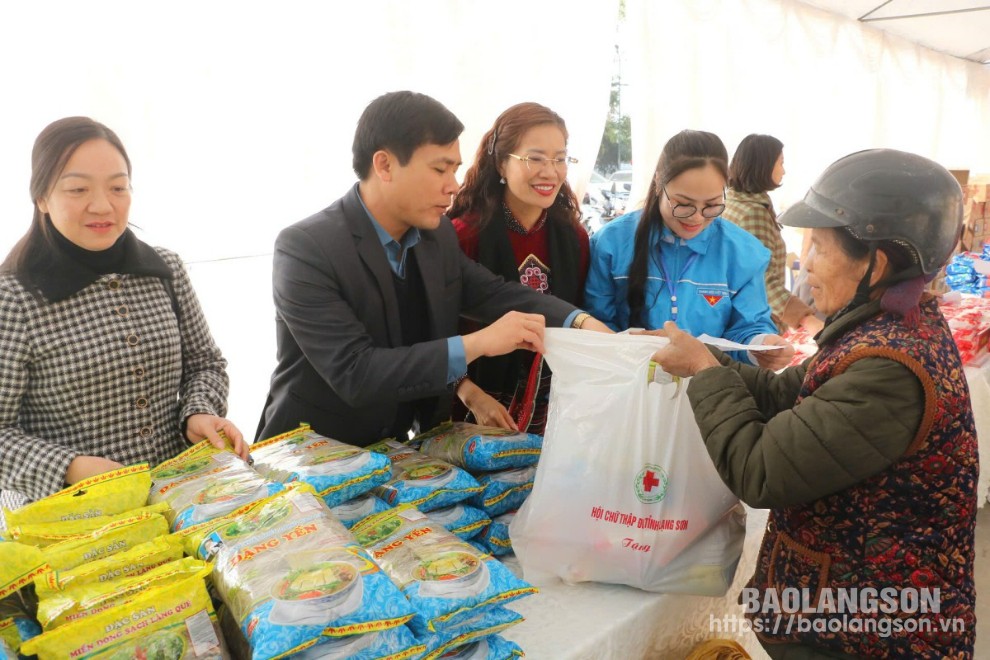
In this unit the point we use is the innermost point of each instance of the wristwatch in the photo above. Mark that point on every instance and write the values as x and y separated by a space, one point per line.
580 319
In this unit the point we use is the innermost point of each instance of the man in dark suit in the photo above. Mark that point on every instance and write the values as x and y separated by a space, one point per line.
369 290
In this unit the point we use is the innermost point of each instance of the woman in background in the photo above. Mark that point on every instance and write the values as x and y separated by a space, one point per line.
517 216
758 167
105 356
677 260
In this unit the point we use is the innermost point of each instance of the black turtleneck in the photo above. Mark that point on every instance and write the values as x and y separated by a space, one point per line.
68 268
98 261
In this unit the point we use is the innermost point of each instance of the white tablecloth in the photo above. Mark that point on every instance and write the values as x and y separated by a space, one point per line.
593 621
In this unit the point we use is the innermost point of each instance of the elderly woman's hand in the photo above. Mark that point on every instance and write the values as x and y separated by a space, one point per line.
775 360
684 355
207 427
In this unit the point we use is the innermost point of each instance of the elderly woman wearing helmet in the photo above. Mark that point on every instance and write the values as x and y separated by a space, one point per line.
866 454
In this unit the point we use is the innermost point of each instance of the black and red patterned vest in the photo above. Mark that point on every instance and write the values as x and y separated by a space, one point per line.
908 528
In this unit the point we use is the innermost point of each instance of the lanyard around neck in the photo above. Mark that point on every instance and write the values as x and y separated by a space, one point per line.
672 282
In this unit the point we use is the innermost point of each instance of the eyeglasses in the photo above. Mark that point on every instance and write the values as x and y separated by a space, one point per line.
537 163
687 210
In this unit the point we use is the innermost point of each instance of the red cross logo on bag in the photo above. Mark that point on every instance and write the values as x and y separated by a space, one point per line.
651 484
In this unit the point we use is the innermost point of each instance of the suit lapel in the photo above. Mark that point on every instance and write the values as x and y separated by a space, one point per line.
370 249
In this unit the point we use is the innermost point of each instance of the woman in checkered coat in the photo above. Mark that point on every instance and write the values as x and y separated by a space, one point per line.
105 356
758 167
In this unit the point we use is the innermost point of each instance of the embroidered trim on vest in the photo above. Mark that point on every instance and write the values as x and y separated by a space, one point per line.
927 384
820 558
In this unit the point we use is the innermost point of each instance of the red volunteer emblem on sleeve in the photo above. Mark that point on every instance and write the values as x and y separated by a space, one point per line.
712 298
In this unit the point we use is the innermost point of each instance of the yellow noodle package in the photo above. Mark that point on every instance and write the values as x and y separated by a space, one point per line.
207 484
16 622
10 636
108 540
48 533
292 575
130 563
86 600
201 448
103 495
174 621
19 566
192 538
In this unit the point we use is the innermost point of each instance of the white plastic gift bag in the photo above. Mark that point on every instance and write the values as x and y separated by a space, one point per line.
625 491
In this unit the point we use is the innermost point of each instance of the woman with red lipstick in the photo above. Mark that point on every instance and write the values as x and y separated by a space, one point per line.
105 356
517 215
677 260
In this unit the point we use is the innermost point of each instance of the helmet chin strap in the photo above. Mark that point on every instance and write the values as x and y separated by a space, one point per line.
863 289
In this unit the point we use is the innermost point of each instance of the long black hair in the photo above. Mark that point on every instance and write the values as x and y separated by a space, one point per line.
687 150
53 148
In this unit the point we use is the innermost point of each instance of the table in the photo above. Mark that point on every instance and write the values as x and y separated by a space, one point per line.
592 621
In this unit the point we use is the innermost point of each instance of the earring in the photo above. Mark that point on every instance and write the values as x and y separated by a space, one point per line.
502 180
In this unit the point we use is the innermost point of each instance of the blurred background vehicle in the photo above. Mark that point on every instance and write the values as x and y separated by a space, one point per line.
594 204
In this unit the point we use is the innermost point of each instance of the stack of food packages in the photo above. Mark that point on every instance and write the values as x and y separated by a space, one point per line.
969 322
111 581
108 579
295 581
504 464
19 565
967 272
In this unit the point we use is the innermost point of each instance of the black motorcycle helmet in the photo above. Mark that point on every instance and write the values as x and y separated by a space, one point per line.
887 195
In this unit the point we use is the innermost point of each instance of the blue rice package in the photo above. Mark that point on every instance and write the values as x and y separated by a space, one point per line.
486 621
960 280
479 546
337 471
356 510
495 537
291 573
492 647
959 267
444 578
394 644
461 519
504 491
422 481
480 448
206 484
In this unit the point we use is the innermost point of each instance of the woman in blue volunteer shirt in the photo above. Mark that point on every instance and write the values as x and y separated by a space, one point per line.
677 260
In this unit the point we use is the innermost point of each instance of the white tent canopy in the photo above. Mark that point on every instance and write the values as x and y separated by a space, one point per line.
955 27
